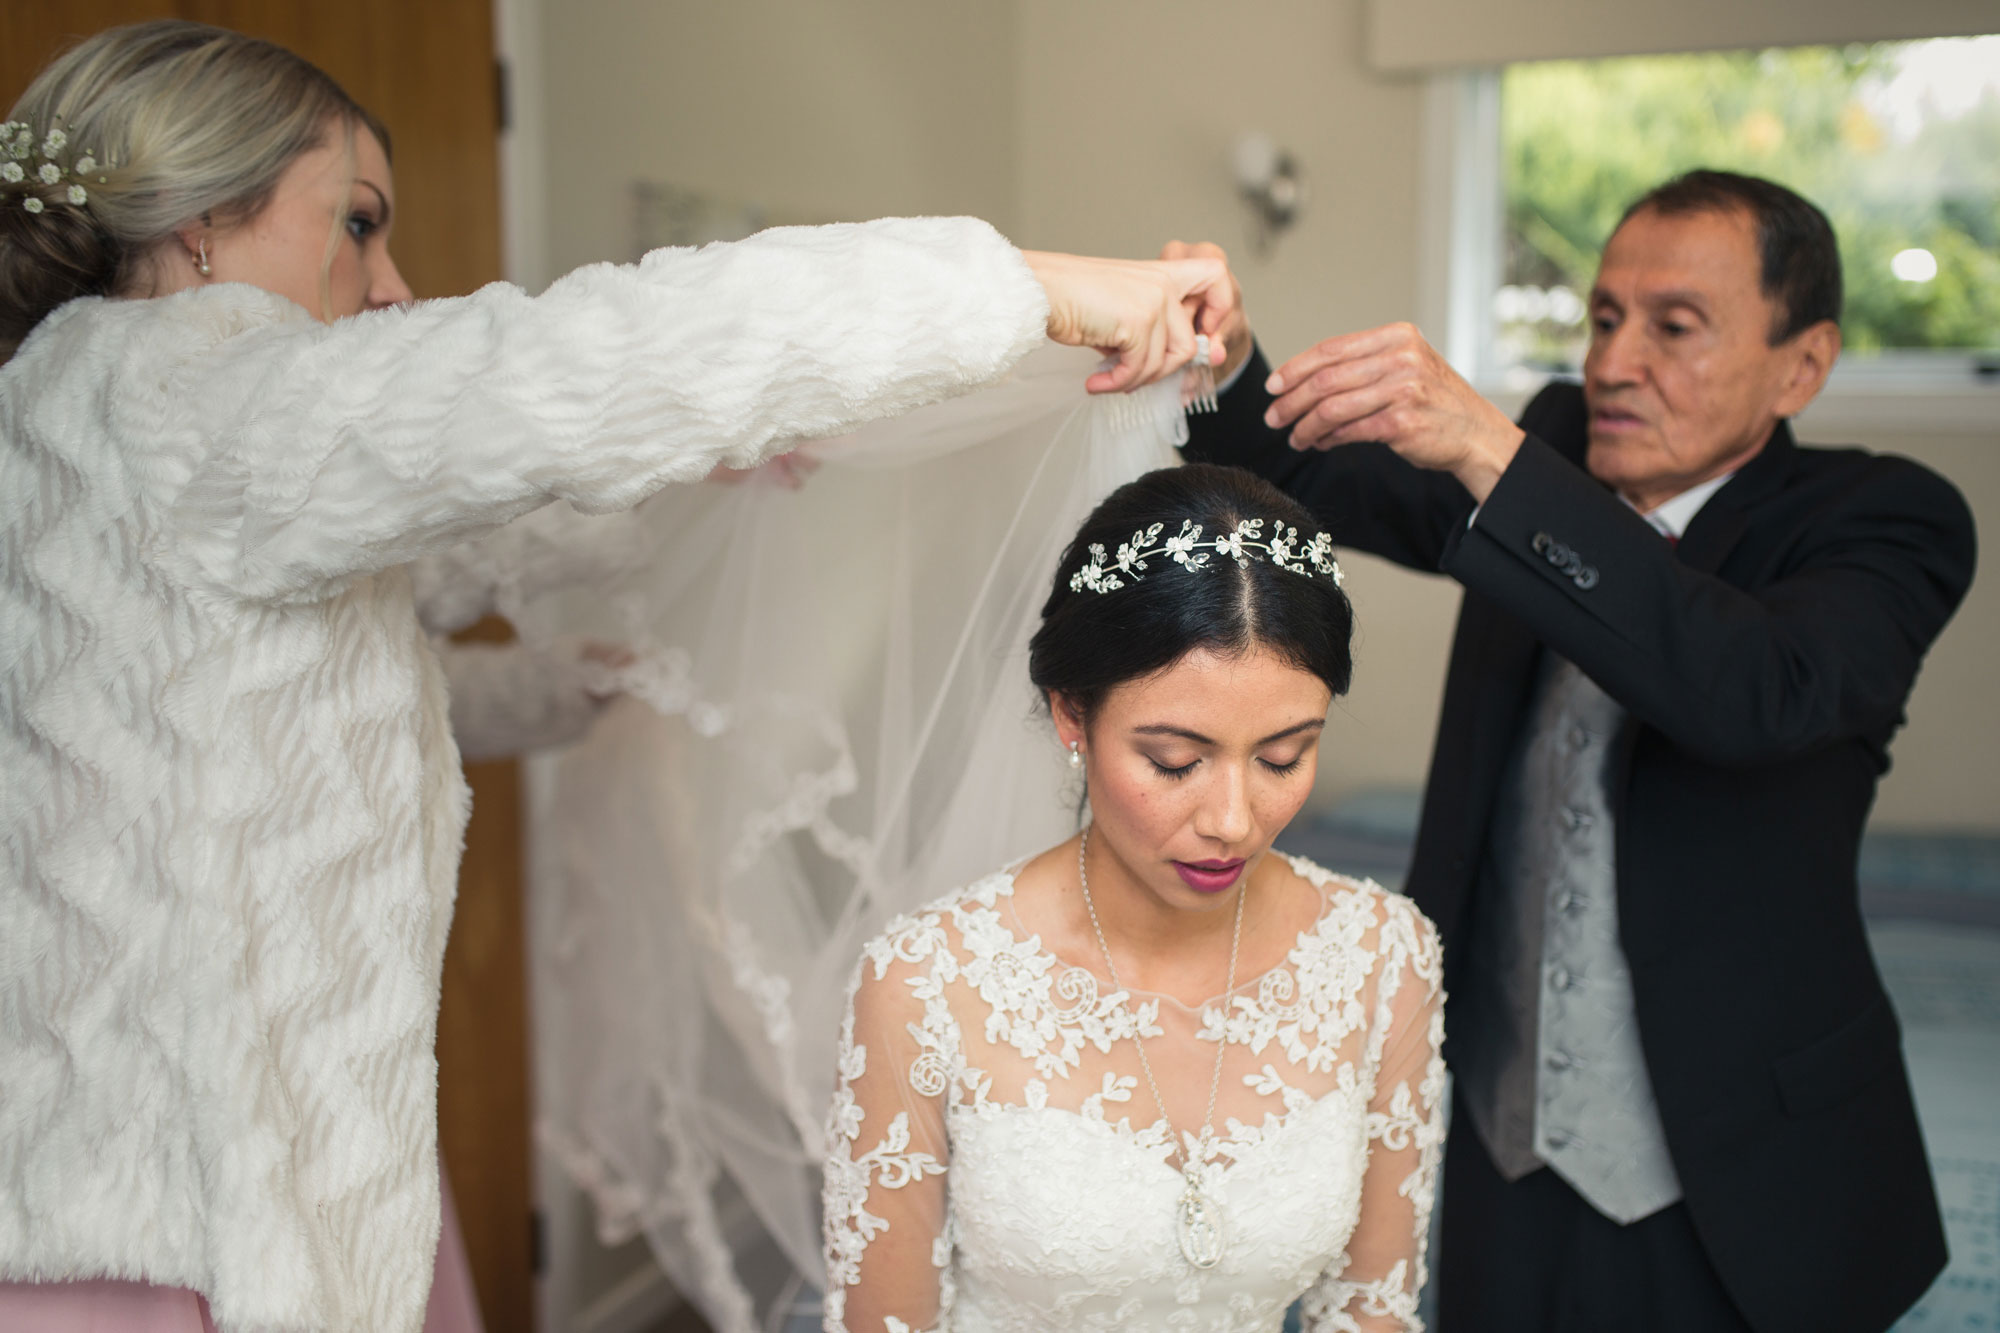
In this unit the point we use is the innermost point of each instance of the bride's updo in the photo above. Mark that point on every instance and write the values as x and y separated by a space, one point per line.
136 132
1092 641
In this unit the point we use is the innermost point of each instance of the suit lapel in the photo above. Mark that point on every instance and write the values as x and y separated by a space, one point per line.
1726 517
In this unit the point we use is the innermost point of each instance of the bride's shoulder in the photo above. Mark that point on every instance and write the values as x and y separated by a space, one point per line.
940 926
1380 919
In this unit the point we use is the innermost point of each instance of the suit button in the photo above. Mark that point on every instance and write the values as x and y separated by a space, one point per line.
1540 542
1586 578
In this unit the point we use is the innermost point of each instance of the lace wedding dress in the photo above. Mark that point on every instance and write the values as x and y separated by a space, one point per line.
996 1161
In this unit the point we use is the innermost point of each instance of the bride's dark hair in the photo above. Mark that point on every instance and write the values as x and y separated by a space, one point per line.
1091 642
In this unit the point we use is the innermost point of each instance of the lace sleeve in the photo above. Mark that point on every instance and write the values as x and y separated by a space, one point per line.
887 1232
1376 1284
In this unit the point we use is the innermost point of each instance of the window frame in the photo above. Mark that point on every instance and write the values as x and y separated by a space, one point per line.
1461 238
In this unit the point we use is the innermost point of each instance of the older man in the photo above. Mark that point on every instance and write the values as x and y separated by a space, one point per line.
1684 646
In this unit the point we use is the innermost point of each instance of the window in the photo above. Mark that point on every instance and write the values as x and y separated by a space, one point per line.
1898 142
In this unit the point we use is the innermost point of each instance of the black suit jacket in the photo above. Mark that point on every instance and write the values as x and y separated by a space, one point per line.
1764 665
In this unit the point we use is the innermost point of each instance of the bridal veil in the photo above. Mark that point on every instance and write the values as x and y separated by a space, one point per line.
829 722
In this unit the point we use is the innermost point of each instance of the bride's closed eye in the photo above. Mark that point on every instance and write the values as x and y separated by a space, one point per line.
1281 769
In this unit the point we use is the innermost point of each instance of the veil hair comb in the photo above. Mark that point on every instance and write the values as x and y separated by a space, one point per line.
1133 411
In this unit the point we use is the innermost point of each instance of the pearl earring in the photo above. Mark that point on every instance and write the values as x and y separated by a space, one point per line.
1075 754
201 258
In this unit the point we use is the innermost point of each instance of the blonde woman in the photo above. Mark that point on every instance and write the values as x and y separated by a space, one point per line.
232 804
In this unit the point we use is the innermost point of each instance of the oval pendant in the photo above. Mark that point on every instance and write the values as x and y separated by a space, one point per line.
1200 1228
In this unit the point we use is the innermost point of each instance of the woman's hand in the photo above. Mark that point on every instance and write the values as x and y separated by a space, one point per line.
1234 330
1144 315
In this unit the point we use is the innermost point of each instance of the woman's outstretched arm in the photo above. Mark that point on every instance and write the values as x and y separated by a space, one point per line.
289 456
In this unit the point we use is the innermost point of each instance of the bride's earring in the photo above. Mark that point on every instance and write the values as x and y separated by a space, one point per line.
1075 754
201 258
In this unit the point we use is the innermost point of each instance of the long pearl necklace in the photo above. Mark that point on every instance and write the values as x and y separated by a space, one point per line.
1200 1220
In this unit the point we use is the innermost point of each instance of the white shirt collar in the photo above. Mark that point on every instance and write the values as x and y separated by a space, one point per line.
1671 517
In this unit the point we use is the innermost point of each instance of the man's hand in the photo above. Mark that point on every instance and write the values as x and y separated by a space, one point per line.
1144 315
1234 330
1389 384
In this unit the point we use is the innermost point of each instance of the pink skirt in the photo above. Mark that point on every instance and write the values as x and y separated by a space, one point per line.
101 1307
140 1307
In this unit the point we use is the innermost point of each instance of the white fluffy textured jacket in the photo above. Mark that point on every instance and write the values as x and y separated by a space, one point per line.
232 807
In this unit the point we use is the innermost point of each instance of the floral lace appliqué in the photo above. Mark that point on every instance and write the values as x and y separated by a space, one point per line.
1063 1174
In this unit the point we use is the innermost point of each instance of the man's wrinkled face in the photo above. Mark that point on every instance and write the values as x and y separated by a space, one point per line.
1682 381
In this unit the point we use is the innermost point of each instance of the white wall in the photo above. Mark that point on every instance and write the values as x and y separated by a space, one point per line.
811 111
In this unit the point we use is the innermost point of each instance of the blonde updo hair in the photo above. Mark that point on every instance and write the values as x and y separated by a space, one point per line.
184 122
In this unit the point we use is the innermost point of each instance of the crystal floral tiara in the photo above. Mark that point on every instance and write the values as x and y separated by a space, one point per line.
17 145
1190 551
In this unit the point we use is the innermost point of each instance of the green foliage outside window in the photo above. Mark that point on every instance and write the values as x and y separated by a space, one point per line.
1898 165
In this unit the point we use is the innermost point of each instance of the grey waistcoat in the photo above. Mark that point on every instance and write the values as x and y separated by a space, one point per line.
1549 1055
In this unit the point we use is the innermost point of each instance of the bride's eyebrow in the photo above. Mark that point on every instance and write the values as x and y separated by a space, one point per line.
1167 729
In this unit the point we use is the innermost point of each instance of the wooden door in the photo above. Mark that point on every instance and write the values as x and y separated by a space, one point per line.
427 69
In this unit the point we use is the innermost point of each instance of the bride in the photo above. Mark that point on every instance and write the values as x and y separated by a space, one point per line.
1156 1076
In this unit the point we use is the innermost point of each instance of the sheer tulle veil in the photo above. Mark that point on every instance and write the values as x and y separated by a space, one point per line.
829 723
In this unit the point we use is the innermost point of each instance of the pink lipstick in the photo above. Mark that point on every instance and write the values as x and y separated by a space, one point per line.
1209 876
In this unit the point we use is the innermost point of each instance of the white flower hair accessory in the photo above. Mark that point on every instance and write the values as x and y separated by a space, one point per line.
1188 549
17 146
